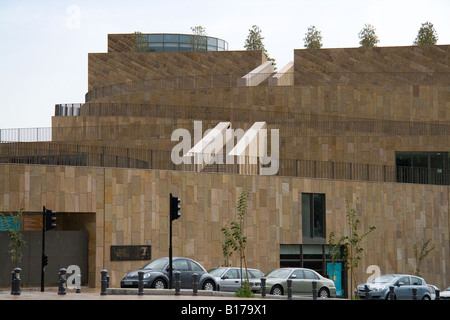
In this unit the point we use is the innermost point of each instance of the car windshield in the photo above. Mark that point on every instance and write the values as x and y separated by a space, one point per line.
279 273
383 279
157 264
217 272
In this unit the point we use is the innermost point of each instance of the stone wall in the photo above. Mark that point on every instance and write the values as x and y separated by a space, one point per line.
131 208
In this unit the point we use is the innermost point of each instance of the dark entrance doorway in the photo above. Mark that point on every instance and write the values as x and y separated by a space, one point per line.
316 257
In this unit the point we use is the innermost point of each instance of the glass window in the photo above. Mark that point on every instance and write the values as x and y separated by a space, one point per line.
313 215
319 215
306 215
298 274
171 47
404 280
420 159
171 38
185 38
232 274
156 47
195 266
310 275
255 274
181 265
155 38
212 42
416 281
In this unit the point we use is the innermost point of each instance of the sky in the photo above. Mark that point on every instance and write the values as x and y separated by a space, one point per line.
44 44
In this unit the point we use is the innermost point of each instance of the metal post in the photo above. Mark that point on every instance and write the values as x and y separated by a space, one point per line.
62 281
314 290
78 284
177 275
438 294
366 292
392 293
289 289
140 282
103 282
195 284
414 293
43 250
263 287
16 282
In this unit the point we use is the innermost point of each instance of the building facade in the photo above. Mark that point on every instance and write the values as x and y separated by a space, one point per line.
361 128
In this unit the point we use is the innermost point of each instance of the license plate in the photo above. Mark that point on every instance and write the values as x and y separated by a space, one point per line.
128 283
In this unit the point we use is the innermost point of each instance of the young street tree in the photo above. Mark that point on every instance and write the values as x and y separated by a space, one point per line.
349 247
254 41
12 225
199 39
426 36
234 238
313 38
368 37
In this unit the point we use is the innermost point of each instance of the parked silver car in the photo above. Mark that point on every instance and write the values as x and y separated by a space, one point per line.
229 278
302 282
402 283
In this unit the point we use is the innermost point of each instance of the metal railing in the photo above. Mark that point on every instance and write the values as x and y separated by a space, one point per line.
101 156
25 134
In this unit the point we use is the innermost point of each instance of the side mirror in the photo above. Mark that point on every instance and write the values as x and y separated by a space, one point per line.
293 276
399 284
224 277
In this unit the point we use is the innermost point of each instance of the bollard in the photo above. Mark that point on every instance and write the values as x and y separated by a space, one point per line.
78 284
15 283
62 281
289 289
103 282
263 287
177 282
314 290
107 281
414 293
366 292
195 284
392 293
13 289
438 294
140 282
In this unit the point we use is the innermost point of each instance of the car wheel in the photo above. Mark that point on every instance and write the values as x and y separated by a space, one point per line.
159 284
323 293
426 297
277 290
209 285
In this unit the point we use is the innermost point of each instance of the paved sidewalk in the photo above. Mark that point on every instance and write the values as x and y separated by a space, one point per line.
112 294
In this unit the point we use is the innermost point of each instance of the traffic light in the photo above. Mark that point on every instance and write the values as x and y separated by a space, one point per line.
44 259
50 219
174 208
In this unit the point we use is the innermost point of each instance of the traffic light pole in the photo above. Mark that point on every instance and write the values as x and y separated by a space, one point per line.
173 215
170 255
43 250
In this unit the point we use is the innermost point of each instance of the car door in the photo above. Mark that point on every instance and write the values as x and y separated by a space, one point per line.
231 280
297 281
309 278
182 265
403 288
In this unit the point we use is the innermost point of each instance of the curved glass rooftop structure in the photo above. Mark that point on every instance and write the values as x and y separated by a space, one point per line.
170 42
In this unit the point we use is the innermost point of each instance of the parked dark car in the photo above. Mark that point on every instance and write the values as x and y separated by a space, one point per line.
156 275
379 287
229 278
